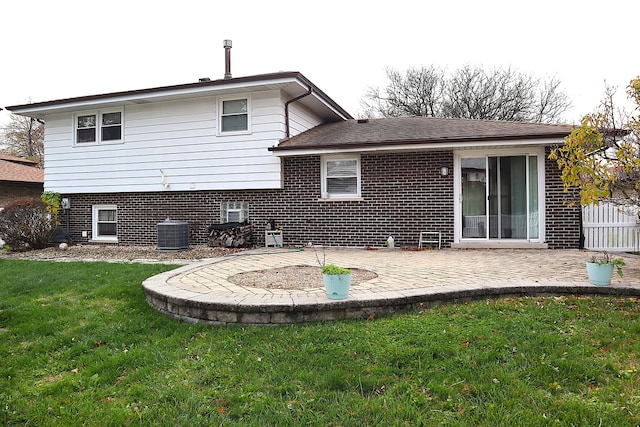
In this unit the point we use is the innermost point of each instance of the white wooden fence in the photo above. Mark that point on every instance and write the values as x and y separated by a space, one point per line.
607 228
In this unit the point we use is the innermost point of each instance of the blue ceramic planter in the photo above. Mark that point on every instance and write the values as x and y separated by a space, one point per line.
337 285
599 274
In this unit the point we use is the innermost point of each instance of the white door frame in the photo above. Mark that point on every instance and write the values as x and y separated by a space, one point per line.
491 152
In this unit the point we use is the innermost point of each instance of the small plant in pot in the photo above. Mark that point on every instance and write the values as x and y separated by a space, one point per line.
600 268
337 280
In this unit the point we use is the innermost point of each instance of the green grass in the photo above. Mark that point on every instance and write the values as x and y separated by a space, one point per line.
80 346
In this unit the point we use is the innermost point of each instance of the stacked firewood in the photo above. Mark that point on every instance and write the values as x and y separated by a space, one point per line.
230 235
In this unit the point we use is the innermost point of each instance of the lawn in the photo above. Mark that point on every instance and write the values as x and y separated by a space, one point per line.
80 346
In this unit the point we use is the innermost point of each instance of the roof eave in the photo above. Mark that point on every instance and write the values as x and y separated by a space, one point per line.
204 88
419 145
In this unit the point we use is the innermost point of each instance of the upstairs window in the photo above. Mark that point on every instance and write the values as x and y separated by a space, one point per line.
97 127
341 177
112 126
86 129
234 115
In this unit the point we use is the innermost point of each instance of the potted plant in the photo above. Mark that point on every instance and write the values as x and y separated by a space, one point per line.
600 268
337 281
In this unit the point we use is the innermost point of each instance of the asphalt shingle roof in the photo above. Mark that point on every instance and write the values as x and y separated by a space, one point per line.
14 169
409 130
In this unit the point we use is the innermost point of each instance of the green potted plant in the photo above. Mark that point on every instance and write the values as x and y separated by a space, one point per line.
337 281
600 268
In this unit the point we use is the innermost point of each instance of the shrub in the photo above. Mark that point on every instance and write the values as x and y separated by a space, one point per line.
26 224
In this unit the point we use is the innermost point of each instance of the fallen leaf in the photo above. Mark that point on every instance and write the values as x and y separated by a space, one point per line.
465 344
466 390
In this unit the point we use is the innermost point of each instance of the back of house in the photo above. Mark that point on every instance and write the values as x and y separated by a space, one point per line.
275 149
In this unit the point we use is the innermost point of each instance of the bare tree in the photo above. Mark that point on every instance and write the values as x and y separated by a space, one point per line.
469 92
24 137
417 92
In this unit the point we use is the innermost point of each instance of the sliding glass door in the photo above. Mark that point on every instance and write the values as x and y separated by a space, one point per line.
500 197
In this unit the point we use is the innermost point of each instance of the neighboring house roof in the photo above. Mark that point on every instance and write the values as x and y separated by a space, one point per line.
291 83
410 132
14 159
17 170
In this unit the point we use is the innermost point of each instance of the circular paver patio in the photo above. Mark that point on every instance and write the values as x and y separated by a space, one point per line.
407 279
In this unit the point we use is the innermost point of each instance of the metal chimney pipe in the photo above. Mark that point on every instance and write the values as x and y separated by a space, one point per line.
227 58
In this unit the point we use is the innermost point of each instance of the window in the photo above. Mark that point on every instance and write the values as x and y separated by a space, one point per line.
234 115
234 212
105 223
112 126
86 129
341 177
99 127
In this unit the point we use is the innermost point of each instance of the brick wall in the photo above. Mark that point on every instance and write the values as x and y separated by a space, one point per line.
562 220
402 194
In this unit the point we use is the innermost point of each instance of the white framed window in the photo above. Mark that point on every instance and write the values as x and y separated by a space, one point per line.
97 127
340 177
104 223
234 115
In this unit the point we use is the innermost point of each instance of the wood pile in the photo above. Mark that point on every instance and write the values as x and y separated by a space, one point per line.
230 235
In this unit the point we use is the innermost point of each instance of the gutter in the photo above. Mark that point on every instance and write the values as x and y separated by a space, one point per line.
441 143
286 109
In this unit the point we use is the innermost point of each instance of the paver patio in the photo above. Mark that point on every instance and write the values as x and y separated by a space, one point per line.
407 279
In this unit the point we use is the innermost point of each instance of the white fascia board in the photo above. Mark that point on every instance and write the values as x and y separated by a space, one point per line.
148 97
488 144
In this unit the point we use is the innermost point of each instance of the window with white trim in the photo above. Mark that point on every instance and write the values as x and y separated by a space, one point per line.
99 127
234 115
105 223
341 177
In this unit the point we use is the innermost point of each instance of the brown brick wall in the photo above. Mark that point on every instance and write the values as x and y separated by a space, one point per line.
402 194
562 220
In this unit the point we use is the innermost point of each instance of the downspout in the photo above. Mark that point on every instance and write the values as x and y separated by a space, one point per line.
286 110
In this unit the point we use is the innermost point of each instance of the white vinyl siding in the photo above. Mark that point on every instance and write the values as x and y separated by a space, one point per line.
181 138
301 119
104 223
340 177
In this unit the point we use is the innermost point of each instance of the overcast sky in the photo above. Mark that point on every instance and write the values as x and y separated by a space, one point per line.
65 48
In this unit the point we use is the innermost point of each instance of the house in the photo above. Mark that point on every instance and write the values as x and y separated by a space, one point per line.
275 148
19 178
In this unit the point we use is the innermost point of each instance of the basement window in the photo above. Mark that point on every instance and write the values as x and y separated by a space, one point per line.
234 212
105 223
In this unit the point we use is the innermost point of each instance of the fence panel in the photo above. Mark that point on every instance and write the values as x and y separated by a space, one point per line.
607 228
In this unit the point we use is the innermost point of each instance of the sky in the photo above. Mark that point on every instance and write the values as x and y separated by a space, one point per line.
66 48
